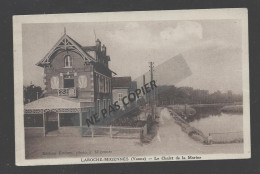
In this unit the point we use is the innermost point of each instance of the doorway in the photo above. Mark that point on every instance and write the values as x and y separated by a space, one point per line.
51 122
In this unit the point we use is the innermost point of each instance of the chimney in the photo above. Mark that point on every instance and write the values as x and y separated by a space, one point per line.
98 44
104 49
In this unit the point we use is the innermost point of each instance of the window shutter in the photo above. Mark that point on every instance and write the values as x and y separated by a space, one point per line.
55 82
82 79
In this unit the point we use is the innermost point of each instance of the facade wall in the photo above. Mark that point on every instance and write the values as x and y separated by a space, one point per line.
78 69
56 72
103 92
116 92
54 80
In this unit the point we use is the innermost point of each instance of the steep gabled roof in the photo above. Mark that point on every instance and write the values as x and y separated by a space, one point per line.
63 44
121 82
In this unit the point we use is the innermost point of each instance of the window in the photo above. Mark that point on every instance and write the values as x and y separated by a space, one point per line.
120 96
67 61
109 86
33 120
69 119
98 107
68 81
97 84
105 86
108 103
100 84
104 104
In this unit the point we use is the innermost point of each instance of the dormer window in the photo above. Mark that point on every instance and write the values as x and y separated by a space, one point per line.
68 61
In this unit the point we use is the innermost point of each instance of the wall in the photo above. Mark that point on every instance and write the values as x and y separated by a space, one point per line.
100 94
78 68
115 95
58 61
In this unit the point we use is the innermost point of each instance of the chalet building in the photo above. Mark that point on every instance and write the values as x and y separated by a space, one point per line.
122 86
77 85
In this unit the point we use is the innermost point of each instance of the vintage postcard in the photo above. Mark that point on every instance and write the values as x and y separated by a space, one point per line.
141 86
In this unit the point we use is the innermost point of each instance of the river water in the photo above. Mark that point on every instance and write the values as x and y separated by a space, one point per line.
212 120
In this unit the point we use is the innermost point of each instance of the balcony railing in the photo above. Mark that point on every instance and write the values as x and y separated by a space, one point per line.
71 92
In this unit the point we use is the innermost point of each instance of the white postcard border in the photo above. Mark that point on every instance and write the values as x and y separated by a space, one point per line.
206 14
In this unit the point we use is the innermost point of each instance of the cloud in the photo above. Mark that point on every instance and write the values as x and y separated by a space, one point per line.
184 31
215 62
136 35
132 35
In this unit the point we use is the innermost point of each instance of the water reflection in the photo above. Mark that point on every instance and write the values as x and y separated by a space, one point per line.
205 111
211 120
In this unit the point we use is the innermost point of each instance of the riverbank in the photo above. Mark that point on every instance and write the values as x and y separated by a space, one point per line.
198 111
222 130
232 109
183 110
194 133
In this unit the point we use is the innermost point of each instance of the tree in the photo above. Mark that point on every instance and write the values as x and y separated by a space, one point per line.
32 93
188 95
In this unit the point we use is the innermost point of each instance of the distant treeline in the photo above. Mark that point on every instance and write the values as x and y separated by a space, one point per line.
187 95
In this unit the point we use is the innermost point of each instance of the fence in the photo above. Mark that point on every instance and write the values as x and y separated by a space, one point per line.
114 131
227 137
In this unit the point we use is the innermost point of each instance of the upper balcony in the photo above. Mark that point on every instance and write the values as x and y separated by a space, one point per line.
71 92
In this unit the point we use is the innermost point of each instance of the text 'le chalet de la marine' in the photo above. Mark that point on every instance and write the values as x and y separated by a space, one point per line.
78 85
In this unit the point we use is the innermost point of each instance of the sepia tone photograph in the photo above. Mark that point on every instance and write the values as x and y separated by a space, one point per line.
131 87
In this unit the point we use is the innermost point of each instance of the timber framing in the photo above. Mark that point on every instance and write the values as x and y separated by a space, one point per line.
65 43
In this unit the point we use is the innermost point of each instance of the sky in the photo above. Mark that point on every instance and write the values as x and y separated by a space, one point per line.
210 48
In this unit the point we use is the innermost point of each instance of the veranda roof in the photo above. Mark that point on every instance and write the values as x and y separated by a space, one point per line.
51 103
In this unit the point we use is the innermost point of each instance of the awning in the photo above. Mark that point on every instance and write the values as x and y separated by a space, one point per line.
55 104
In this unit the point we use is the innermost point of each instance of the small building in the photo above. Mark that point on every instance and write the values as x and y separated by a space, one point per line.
122 86
77 85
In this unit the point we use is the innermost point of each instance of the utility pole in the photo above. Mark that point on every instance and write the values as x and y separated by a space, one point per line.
145 97
152 96
151 69
154 90
143 79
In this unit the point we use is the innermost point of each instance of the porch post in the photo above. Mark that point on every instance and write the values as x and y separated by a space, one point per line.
43 119
58 120
80 119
